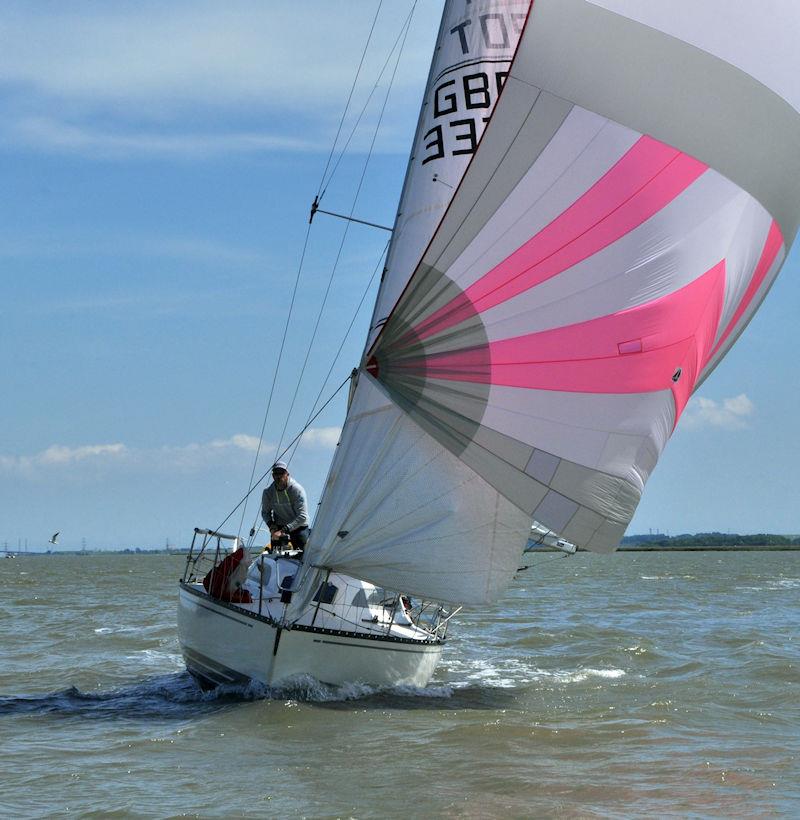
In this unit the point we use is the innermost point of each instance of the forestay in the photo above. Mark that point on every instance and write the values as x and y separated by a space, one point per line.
626 212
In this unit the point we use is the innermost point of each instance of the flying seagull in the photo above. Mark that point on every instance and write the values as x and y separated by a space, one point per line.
54 539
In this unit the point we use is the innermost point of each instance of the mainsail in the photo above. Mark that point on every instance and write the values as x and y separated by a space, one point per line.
543 322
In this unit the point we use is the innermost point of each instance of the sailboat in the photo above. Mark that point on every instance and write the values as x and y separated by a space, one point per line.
541 536
599 195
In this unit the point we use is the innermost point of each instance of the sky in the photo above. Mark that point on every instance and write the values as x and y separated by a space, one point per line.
158 162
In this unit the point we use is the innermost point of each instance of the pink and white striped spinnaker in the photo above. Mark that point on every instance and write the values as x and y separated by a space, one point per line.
554 296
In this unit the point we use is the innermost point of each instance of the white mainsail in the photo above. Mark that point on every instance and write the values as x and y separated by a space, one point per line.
541 327
476 43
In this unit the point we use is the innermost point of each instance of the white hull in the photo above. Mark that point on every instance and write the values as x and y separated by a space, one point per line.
225 643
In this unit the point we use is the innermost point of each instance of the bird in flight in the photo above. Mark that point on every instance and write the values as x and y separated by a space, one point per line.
54 538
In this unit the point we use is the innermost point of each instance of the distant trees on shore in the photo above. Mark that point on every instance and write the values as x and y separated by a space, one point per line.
711 539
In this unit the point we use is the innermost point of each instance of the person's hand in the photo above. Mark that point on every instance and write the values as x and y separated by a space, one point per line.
277 533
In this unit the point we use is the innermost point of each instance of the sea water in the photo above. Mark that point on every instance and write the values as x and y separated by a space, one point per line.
639 684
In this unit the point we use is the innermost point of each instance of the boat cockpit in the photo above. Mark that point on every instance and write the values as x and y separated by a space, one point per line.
264 585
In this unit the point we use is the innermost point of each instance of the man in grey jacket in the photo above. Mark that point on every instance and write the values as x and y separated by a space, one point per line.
284 507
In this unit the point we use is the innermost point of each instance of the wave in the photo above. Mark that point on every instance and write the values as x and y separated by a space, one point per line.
137 629
513 673
175 695
179 696
305 688
581 675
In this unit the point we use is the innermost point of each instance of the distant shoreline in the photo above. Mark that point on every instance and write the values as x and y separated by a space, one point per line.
688 548
709 548
530 548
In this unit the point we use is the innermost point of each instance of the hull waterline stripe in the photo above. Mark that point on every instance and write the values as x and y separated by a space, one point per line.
383 648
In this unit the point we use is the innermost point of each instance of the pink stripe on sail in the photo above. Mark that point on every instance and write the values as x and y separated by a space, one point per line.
646 179
600 355
769 252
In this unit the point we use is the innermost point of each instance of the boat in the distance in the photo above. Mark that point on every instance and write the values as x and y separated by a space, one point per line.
542 536
599 195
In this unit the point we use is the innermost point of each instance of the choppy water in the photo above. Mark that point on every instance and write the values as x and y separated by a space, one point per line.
663 684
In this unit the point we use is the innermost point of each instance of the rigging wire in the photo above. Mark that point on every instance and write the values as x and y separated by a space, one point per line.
344 339
400 36
323 184
275 375
347 227
305 242
323 187
298 439
266 473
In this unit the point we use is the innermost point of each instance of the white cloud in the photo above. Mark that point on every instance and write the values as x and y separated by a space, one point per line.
50 134
197 455
240 441
203 51
177 247
58 455
197 51
185 457
321 437
728 414
149 78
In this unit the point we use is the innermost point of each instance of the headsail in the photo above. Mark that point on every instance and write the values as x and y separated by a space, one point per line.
402 508
615 231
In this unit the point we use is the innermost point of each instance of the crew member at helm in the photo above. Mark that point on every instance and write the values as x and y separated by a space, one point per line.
284 507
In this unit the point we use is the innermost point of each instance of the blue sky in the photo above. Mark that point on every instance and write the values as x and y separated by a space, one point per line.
158 162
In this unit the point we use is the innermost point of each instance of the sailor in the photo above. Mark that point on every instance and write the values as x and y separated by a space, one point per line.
284 507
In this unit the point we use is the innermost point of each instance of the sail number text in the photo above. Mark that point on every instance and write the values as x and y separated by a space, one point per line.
470 92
